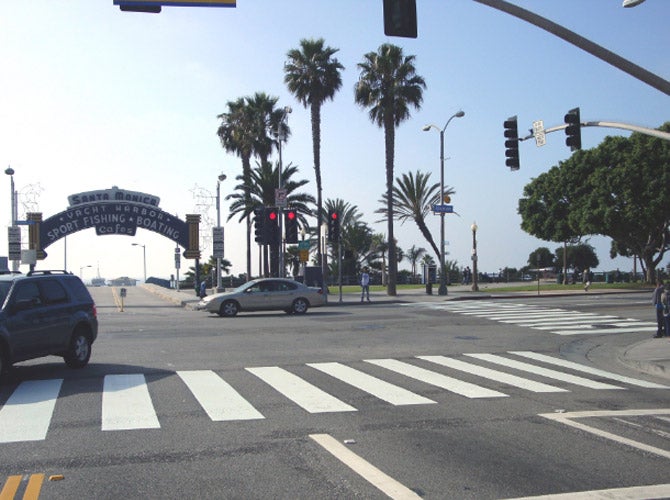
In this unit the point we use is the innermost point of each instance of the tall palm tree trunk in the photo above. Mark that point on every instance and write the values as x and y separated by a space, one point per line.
315 112
389 139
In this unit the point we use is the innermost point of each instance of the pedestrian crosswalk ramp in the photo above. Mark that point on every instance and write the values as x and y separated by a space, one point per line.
553 320
129 401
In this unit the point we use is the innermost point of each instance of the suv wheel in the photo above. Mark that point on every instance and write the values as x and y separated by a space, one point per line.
79 352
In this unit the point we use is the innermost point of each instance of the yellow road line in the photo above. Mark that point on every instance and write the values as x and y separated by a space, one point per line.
10 488
34 487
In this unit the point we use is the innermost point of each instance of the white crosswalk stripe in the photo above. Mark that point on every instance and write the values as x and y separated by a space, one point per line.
499 376
27 413
301 392
544 372
554 320
126 403
127 400
437 379
217 397
383 390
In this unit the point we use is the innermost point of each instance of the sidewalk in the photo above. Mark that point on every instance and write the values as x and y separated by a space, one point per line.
650 356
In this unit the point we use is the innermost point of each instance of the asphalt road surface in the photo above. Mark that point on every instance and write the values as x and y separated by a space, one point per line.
461 399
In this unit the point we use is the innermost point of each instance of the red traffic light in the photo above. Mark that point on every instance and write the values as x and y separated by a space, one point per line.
272 215
333 215
290 215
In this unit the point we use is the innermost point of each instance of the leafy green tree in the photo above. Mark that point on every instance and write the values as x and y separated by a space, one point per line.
540 258
388 86
619 190
630 196
582 256
313 76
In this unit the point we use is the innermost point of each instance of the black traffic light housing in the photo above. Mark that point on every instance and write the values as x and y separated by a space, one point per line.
333 226
271 226
400 18
291 225
512 143
259 223
573 131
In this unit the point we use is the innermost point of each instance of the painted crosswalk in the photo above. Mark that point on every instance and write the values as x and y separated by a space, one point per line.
129 401
550 319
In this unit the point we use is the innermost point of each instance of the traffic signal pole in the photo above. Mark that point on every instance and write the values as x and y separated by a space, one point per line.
624 126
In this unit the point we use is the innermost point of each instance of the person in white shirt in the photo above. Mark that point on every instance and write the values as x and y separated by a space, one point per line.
365 284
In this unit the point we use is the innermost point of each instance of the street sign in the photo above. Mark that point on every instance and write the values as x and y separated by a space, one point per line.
443 209
304 255
539 134
14 240
303 245
217 242
280 197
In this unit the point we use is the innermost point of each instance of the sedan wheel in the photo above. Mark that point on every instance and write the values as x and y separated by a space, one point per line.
79 352
228 309
300 306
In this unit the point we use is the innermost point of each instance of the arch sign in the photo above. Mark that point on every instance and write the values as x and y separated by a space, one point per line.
114 211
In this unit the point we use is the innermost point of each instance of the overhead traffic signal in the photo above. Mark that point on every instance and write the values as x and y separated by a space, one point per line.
512 143
259 220
271 226
573 131
333 226
400 18
291 224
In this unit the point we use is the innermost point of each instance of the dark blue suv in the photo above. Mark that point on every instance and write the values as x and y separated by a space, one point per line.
46 313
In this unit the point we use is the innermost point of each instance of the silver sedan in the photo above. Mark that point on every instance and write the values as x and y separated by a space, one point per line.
264 294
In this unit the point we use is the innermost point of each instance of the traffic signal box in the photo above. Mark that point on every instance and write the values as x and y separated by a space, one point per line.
259 220
291 225
333 226
400 18
573 131
266 226
512 143
271 226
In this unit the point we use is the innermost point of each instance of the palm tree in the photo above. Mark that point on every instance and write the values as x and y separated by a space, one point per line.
413 198
414 254
236 133
388 85
245 131
313 76
264 179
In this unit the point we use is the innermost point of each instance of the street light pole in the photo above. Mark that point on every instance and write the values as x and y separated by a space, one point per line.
443 279
281 135
144 257
221 178
475 288
14 209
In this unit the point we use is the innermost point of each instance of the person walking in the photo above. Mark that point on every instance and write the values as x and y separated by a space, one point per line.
658 305
665 301
365 284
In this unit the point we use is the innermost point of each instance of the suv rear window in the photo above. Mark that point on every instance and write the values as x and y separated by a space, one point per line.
78 289
54 293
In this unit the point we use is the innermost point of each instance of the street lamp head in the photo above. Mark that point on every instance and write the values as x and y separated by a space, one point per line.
9 171
426 128
222 177
474 227
460 114
288 110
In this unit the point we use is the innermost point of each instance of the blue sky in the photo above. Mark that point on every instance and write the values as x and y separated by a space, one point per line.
92 97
